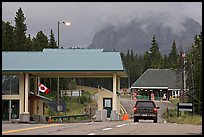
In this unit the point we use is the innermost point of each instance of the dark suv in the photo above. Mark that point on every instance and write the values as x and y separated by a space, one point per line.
145 109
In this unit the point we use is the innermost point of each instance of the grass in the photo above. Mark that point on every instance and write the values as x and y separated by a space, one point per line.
174 101
74 107
185 118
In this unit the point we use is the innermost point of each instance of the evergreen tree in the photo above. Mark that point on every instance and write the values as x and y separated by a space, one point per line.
128 55
20 31
156 58
147 60
195 73
165 62
40 42
29 44
7 36
173 56
131 55
52 42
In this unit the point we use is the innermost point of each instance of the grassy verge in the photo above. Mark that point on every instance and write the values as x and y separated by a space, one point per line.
174 101
186 118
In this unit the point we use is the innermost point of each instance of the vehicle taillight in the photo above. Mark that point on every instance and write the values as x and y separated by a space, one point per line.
135 109
155 110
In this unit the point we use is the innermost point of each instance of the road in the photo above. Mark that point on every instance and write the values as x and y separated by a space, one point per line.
143 127
146 127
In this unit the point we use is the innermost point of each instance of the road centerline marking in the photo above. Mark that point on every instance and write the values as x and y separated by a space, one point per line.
30 128
91 134
107 129
120 125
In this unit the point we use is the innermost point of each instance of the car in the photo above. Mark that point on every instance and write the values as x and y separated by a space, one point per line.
146 110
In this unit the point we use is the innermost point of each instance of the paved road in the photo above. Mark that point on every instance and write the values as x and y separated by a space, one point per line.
146 127
143 127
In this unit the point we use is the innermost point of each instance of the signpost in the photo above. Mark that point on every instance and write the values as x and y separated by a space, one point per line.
184 107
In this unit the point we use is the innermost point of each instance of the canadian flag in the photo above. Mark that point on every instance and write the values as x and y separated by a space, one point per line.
43 88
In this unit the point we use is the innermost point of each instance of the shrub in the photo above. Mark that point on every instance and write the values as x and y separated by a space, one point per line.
85 98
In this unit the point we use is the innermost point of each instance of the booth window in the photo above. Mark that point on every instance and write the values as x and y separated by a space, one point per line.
10 85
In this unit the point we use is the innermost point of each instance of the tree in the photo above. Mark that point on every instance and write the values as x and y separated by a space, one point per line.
29 44
72 86
52 42
156 58
40 42
132 55
165 62
173 56
20 31
147 60
195 73
7 36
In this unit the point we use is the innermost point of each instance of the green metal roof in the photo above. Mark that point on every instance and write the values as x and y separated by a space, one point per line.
62 60
166 78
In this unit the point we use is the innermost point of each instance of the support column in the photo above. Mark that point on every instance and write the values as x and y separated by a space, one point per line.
26 91
114 108
118 89
25 116
114 92
36 84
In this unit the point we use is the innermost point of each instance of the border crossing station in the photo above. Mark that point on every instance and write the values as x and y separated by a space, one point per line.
19 102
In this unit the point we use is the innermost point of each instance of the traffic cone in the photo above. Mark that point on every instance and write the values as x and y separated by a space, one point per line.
50 120
123 117
127 117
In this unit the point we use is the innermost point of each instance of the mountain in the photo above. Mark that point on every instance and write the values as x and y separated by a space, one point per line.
137 34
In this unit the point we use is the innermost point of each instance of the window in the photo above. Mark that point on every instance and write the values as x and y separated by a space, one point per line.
10 85
145 104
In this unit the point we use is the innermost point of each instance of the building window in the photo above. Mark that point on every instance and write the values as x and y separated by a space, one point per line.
10 85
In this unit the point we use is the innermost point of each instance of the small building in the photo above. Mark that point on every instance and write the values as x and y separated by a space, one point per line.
162 83
105 99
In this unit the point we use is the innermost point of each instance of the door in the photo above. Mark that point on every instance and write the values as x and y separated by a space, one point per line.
5 110
107 104
14 109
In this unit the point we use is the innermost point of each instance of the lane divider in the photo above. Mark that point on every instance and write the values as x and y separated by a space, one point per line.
105 129
30 128
91 134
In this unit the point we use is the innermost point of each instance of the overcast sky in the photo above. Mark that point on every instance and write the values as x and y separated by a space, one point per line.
89 17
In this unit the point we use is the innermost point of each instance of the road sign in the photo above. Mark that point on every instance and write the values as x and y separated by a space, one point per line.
59 108
185 107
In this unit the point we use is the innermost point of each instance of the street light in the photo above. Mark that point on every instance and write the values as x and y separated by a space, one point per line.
67 23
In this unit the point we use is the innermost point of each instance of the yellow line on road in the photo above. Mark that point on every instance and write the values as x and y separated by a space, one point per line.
123 109
30 128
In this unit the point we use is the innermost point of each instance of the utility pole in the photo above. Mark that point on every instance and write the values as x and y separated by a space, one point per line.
184 76
193 96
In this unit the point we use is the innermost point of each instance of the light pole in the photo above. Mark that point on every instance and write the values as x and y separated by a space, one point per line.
66 23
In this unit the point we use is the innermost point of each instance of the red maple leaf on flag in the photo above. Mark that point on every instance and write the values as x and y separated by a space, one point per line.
43 88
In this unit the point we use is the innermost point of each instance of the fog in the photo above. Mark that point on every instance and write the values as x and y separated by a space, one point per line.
89 17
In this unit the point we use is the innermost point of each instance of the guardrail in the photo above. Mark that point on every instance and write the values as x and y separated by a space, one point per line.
62 118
